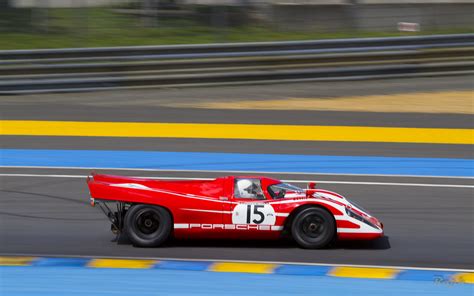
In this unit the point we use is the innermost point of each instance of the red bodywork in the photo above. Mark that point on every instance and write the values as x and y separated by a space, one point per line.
209 209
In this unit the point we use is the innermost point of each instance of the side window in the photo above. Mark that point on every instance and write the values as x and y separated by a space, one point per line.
248 188
280 190
276 192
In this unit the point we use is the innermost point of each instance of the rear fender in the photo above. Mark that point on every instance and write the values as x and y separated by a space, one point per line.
104 191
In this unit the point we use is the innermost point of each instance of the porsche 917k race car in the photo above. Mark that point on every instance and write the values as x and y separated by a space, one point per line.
235 207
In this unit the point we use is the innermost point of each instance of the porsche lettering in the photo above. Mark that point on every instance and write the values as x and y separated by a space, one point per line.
232 226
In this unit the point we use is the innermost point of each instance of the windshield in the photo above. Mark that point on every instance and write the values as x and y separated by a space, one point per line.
279 190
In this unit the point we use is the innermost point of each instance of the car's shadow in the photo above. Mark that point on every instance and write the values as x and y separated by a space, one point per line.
382 243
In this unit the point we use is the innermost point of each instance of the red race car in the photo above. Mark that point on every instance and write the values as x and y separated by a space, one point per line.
244 207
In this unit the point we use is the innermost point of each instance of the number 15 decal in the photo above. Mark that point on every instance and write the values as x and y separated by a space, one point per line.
254 214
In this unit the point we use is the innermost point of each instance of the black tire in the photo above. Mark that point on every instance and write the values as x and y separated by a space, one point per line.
147 226
313 228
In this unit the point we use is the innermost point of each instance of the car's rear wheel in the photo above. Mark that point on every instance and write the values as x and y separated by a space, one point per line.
147 226
313 228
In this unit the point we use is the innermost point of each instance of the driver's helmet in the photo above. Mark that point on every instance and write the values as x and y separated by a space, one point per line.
246 188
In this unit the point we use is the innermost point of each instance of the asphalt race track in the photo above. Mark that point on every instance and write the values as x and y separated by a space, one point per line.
425 226
428 220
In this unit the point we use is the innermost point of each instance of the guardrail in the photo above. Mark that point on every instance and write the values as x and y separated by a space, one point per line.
76 69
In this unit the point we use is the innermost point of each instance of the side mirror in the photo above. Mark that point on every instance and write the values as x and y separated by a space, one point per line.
312 185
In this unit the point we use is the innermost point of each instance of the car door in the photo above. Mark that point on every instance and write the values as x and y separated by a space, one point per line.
249 216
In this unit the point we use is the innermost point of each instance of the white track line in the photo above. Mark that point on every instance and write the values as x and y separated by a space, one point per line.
289 181
232 172
44 176
244 261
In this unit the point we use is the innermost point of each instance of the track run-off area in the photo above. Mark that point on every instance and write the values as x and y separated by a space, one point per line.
413 170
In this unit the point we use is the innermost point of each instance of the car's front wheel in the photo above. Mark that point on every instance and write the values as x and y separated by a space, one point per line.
147 226
313 228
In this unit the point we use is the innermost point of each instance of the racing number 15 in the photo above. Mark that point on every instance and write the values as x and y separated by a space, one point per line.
255 211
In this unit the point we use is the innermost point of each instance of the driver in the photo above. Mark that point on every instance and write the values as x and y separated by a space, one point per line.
246 189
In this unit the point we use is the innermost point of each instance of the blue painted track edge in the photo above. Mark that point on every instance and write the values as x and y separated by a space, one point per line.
400 273
206 161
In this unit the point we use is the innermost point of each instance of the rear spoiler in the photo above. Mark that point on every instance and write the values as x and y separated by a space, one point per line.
90 177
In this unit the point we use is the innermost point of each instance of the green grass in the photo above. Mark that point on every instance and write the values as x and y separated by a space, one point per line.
102 27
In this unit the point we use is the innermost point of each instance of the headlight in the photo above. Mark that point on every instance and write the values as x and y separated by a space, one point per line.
358 206
354 215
